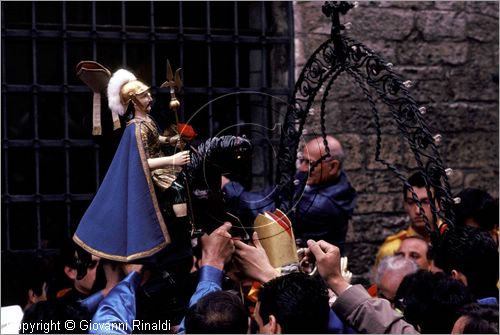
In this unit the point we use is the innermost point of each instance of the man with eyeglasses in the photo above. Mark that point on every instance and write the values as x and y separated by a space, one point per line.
326 204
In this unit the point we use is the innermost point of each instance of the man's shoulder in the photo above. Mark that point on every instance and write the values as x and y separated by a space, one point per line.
400 235
392 242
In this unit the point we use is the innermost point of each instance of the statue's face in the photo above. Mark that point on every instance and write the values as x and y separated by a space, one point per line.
143 102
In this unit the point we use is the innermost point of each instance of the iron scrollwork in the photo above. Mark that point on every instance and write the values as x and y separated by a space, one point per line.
343 55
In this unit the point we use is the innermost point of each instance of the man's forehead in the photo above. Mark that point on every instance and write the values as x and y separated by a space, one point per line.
411 244
421 192
311 150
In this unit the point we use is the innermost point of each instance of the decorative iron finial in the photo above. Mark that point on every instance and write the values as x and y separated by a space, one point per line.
332 9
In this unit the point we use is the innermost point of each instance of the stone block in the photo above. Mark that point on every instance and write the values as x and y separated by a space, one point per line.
375 228
408 161
429 83
332 118
447 117
375 181
361 257
402 4
344 88
484 117
386 49
450 5
482 28
438 24
415 73
489 8
379 203
352 145
484 179
357 116
474 83
483 55
462 116
308 43
432 53
456 180
373 23
390 151
472 150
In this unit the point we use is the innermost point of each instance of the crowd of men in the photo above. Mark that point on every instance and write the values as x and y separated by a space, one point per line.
419 286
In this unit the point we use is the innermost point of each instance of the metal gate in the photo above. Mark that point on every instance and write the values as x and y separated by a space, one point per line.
237 55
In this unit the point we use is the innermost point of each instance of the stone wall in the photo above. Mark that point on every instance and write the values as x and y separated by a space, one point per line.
449 50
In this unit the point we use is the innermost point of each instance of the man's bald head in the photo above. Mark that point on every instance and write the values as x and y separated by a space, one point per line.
330 168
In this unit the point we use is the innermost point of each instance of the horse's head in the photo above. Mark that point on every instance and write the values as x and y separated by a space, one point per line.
219 155
209 160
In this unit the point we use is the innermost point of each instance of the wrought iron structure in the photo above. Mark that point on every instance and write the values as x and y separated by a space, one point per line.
343 55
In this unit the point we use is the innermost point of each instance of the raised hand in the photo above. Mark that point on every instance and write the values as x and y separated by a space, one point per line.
328 263
253 260
218 247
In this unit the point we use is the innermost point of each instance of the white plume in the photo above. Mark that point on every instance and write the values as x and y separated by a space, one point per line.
119 78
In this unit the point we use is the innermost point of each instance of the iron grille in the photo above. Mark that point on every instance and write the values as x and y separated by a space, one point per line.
237 55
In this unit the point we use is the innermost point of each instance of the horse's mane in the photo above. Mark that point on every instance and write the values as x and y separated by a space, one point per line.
215 149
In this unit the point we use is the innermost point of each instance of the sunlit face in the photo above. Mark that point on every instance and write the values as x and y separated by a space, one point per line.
416 249
416 216
324 171
388 286
143 102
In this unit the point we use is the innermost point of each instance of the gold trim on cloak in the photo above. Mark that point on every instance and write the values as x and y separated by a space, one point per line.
147 174
132 257
163 227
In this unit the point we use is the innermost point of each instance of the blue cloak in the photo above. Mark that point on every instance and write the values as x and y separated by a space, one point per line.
124 222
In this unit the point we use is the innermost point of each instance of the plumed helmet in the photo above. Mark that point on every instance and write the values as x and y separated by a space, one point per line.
123 87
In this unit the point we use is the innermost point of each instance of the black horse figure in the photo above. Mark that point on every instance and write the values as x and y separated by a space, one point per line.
170 284
211 159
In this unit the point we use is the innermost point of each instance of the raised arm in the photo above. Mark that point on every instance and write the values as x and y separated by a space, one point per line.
354 305
178 159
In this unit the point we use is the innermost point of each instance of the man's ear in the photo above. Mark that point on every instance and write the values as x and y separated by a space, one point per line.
334 168
70 272
457 275
32 297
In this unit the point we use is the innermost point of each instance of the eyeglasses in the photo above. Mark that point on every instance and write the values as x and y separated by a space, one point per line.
314 162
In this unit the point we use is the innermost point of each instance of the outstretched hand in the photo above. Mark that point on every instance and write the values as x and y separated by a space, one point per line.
253 260
218 247
181 158
328 263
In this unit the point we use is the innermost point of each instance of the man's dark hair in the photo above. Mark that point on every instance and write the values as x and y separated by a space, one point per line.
219 312
415 180
75 257
472 252
55 311
478 205
480 319
298 302
432 301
